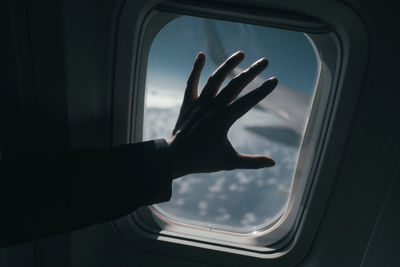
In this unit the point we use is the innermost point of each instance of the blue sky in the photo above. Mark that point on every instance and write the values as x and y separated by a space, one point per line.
291 56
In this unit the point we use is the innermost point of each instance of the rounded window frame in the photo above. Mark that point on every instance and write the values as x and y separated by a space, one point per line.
146 222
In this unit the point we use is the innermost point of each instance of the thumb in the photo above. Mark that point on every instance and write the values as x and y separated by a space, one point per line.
245 161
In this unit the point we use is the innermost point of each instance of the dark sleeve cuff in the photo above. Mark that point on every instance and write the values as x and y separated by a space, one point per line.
129 177
158 182
146 172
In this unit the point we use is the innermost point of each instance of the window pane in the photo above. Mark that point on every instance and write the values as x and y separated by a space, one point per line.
240 200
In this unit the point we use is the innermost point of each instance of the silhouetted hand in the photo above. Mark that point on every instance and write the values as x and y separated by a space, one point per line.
199 142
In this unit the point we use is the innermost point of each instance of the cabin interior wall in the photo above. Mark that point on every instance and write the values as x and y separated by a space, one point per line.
33 102
351 232
71 57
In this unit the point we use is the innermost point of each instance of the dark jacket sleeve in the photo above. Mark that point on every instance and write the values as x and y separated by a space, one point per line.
46 196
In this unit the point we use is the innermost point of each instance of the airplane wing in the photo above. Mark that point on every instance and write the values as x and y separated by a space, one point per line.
291 106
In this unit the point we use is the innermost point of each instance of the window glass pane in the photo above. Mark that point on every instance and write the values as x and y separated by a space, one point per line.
240 200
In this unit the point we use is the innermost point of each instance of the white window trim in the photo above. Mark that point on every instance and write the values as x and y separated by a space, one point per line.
297 231
309 150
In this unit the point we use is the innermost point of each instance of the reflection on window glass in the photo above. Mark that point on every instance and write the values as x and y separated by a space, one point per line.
240 200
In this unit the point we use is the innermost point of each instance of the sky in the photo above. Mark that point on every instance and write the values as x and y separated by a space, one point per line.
291 56
241 200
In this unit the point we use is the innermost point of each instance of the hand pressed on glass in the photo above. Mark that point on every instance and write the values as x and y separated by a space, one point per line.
199 142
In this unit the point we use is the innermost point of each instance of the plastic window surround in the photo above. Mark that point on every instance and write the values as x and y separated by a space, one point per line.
153 221
273 241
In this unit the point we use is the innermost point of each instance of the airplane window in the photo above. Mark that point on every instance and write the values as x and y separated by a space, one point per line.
240 201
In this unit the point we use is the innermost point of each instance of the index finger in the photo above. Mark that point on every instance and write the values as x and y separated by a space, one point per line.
218 77
194 77
241 106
